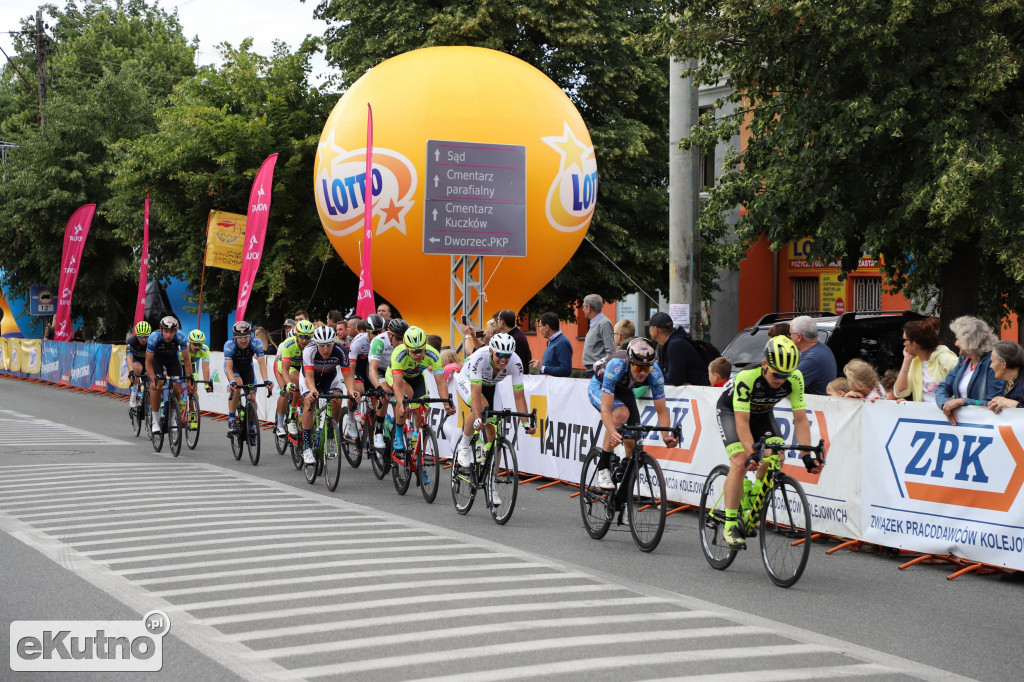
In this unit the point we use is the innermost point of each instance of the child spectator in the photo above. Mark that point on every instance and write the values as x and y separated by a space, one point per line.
838 388
863 381
889 383
450 363
719 370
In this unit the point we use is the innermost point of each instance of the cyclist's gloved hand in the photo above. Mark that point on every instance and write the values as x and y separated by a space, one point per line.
813 464
233 385
477 423
209 388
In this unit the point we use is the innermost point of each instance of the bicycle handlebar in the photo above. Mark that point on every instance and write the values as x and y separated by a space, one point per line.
809 462
645 428
508 414
245 388
424 401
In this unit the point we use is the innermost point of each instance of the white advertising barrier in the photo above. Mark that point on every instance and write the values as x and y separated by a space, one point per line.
942 489
218 400
569 427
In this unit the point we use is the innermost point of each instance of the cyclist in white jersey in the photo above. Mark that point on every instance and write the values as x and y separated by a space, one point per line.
476 381
379 359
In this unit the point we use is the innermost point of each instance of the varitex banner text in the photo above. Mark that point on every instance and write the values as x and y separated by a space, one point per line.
89 645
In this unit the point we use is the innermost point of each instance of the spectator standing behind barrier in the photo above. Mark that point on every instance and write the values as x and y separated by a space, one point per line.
599 342
557 359
863 381
505 323
264 336
384 310
622 333
888 381
450 363
719 371
1007 361
778 329
817 363
971 381
838 388
926 362
678 358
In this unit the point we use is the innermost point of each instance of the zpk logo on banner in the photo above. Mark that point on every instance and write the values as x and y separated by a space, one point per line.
967 465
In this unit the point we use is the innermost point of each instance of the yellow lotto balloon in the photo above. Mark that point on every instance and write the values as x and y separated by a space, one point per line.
478 147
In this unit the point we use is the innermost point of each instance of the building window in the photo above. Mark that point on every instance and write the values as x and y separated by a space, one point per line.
805 294
867 293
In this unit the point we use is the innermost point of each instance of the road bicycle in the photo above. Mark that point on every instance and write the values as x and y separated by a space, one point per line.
326 437
139 414
495 468
638 498
380 459
169 417
353 445
778 515
421 458
193 417
248 435
287 441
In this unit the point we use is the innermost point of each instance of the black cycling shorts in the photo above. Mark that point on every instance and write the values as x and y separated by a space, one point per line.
169 364
762 425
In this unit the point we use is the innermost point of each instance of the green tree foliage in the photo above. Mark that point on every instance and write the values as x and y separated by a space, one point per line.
108 67
209 142
599 53
889 125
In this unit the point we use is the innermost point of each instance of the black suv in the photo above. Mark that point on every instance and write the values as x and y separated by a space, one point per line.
872 335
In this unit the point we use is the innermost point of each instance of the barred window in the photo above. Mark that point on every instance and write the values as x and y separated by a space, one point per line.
867 293
805 294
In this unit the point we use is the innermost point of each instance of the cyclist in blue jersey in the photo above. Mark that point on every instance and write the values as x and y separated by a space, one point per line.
611 392
135 355
162 360
238 355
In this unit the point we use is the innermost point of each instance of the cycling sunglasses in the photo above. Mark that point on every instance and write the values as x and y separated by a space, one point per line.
502 356
307 337
781 376
641 368
417 351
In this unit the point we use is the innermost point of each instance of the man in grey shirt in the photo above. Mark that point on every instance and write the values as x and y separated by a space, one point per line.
598 343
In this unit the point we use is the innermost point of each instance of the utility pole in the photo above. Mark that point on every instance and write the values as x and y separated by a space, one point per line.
41 66
683 196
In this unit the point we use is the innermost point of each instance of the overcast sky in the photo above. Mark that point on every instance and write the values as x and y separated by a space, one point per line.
214 21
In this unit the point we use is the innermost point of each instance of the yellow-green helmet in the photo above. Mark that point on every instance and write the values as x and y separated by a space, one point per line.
143 329
781 354
415 338
197 336
304 327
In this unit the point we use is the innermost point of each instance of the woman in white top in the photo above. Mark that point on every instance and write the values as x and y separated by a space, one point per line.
925 361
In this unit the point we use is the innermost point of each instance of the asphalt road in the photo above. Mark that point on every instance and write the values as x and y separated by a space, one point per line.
266 577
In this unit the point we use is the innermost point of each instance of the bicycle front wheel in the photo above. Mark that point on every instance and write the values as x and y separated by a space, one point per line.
646 502
158 438
711 519
463 483
136 416
429 465
401 472
353 451
251 429
595 502
503 482
192 423
174 425
332 459
785 531
237 444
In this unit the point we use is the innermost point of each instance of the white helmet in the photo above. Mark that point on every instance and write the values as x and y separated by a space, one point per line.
503 343
324 335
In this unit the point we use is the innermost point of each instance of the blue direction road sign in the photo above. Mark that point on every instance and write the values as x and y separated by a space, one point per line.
475 199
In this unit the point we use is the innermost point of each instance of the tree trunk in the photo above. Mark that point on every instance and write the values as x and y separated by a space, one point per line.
959 289
218 330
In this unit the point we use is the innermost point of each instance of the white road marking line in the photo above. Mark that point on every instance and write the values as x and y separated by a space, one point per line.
786 675
250 529
248 539
39 431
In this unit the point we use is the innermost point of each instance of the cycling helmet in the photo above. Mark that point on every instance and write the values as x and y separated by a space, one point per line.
305 328
781 354
197 336
502 343
640 351
241 329
398 327
324 335
415 339
169 322
375 323
143 329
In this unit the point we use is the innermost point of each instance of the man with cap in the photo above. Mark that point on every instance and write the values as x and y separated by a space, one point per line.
289 325
677 356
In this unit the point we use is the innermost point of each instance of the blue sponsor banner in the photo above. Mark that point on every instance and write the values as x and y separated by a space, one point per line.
79 360
53 360
98 366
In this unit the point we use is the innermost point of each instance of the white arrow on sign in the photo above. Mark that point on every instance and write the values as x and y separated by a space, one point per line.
435 215
437 155
436 180
434 239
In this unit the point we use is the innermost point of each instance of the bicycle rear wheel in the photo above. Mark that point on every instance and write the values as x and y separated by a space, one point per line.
401 471
503 482
332 459
429 465
463 483
174 425
785 531
192 423
251 429
353 450
595 502
711 519
646 502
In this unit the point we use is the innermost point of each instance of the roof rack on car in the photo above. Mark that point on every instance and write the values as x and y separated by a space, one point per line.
772 318
877 313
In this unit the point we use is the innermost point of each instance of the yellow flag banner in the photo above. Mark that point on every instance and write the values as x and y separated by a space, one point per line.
225 240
